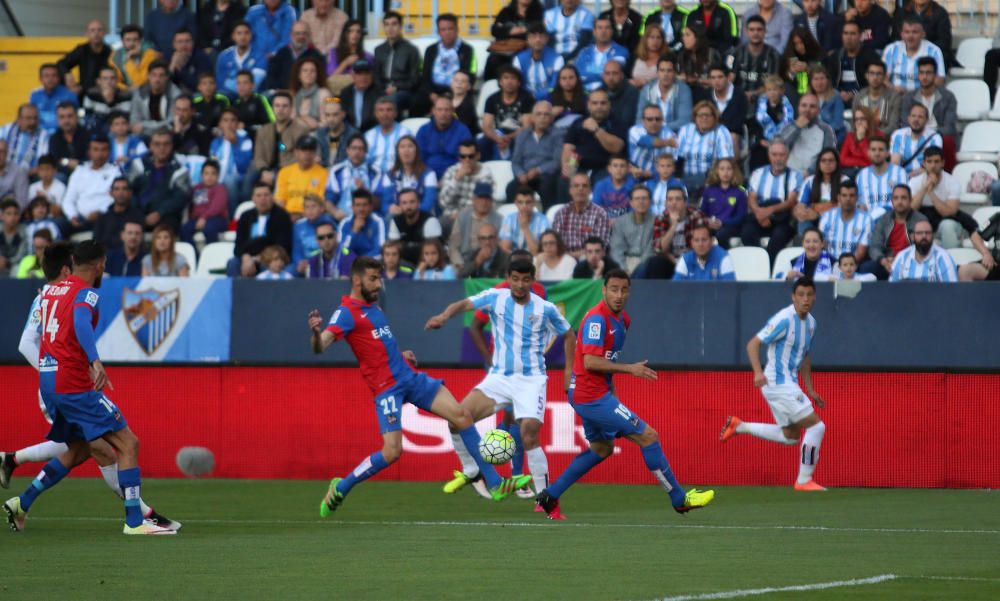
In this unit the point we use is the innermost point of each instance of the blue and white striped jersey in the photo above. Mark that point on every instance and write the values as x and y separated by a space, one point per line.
234 158
701 150
938 266
521 333
565 31
382 146
342 182
845 236
539 76
773 189
902 143
641 152
788 340
825 190
875 191
902 68
590 63
511 230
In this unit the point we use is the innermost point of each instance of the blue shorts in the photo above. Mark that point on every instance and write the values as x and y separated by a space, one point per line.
418 391
81 416
607 418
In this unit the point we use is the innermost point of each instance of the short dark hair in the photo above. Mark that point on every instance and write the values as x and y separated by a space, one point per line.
509 70
879 138
282 94
593 240
912 20
182 31
923 61
537 27
719 67
210 164
846 23
391 14
117 115
121 178
361 193
88 252
700 225
47 66
845 256
260 184
206 75
933 151
244 73
524 190
756 19
47 159
43 233
877 63
521 266
816 230
616 274
131 28
7 203
56 256
468 143
363 264
100 139
849 184
408 191
66 104
640 187
909 193
804 282
447 17
521 252
242 23
158 64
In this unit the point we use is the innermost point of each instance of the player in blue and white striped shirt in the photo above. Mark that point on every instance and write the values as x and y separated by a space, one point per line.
789 336
901 57
572 25
875 182
382 138
923 260
846 229
524 324
908 144
648 141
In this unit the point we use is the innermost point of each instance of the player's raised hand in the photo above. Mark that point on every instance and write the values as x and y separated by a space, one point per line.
641 370
818 399
315 320
435 322
411 357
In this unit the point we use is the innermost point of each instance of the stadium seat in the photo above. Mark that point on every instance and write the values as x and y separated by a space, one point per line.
187 251
370 44
995 112
973 98
965 255
241 208
423 43
489 88
414 123
551 213
980 142
982 215
506 209
81 236
783 262
214 258
972 54
750 263
503 174
963 172
481 49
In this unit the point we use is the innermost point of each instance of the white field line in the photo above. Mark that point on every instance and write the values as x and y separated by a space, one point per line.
752 592
544 524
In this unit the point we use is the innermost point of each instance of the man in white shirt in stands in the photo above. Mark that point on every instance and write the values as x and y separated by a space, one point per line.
88 193
936 194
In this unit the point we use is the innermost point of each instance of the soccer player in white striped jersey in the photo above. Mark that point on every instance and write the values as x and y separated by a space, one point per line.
523 325
789 336
57 266
876 181
846 229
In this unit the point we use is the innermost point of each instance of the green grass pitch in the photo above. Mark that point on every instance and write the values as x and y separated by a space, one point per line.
251 540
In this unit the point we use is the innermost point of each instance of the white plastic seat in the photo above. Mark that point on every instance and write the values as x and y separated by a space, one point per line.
972 54
980 142
423 43
480 48
489 88
214 258
82 236
973 97
995 112
415 123
983 215
783 262
965 255
750 263
503 174
506 209
370 44
241 208
187 251
963 173
551 213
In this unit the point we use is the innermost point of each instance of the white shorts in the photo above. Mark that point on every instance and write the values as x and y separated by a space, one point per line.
45 412
525 394
788 403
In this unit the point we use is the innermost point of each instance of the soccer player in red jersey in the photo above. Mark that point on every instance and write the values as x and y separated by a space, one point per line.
393 381
72 383
600 339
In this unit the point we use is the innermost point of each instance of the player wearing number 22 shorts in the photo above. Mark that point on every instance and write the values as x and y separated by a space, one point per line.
600 340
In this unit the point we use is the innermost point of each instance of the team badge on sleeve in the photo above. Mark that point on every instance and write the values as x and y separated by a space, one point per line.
594 332
91 298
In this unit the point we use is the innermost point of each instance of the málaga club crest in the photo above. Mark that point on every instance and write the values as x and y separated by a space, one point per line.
150 315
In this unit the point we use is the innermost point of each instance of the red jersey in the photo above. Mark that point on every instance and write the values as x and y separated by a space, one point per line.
601 334
536 287
366 330
60 354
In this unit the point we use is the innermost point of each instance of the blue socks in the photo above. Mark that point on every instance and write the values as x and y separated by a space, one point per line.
51 474
470 436
366 469
129 481
656 461
583 463
517 462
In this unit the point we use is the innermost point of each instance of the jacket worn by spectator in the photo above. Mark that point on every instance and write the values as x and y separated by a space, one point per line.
267 150
277 230
326 141
160 26
141 113
496 267
88 61
187 76
279 67
883 227
271 31
827 28
945 110
631 240
466 62
876 28
402 61
722 32
678 103
254 112
75 148
166 190
440 148
13 249
349 101
834 63
749 69
531 152
778 27
110 224
887 106
215 29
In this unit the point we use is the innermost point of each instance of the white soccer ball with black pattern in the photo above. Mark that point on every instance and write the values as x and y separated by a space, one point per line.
497 447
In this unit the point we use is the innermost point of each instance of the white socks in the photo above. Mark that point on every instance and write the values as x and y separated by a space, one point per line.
811 441
42 451
469 467
770 432
110 475
538 463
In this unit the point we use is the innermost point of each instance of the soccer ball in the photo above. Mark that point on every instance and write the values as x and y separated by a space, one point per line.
497 447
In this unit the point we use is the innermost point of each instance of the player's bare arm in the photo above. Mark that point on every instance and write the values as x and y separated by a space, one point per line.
753 353
321 339
450 311
411 357
99 376
479 341
806 370
569 350
605 366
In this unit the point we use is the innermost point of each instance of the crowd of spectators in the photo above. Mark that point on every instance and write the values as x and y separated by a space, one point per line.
662 139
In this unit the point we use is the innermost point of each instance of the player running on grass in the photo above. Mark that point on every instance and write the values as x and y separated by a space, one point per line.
57 264
523 324
789 338
72 381
393 382
599 341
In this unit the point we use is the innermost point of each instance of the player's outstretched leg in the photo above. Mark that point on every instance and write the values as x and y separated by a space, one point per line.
54 471
772 432
126 445
656 461
43 451
811 441
510 425
107 461
480 407
548 499
392 448
460 418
